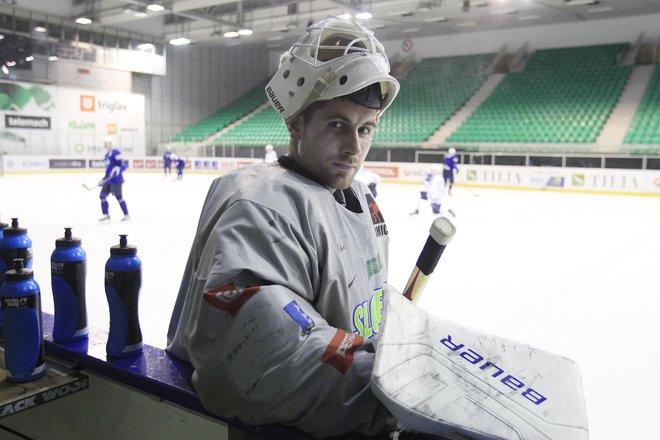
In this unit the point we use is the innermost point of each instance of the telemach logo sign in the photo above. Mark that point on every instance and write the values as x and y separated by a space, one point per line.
32 122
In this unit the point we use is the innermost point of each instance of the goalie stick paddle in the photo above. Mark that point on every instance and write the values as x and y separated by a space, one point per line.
440 234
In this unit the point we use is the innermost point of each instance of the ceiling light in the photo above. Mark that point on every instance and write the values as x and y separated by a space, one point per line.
245 32
145 46
345 15
83 20
155 7
2 37
52 58
364 15
29 58
503 12
179 41
599 9
434 19
10 63
580 2
39 28
5 70
230 34
400 13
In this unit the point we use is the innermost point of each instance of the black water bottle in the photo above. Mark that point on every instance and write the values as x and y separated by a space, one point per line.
123 278
68 268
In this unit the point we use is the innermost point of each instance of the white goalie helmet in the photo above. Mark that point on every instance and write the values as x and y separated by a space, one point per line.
334 57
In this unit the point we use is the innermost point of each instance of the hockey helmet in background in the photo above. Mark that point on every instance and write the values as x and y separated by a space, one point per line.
334 57
108 140
451 152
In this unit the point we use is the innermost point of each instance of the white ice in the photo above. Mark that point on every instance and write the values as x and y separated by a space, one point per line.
573 274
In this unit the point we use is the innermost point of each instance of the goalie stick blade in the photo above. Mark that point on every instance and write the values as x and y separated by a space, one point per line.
439 377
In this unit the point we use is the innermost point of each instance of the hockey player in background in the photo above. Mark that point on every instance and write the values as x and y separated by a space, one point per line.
449 167
280 301
434 190
370 179
167 161
113 179
270 154
180 165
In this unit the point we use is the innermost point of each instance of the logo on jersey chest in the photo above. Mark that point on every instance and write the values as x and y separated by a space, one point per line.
380 228
367 315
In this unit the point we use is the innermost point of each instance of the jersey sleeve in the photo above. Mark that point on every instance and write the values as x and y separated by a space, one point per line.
260 350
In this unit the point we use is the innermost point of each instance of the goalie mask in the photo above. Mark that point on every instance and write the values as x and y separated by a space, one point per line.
334 57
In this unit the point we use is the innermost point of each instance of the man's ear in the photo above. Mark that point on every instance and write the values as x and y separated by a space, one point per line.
295 126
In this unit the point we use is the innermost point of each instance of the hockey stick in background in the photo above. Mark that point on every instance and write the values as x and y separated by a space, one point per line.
440 234
469 188
93 187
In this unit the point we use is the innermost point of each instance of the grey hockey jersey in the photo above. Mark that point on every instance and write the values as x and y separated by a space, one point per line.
281 301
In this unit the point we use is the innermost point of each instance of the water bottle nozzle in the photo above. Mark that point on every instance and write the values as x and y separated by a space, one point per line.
18 265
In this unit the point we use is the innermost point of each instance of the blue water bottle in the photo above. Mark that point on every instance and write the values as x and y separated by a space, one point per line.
123 278
68 268
14 243
20 299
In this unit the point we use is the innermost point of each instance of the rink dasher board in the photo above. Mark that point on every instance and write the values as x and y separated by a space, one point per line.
57 383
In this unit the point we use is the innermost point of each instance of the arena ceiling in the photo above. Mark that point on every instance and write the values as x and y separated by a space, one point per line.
275 23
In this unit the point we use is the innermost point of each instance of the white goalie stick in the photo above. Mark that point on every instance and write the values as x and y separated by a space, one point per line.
442 378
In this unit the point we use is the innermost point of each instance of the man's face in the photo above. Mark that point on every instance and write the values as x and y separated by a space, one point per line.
333 142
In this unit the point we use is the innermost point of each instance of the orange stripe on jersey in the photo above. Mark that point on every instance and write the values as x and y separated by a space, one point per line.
339 352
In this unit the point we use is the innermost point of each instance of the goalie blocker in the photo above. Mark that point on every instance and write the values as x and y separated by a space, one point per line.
439 377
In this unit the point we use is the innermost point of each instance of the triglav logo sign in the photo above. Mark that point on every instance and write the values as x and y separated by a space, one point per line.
87 103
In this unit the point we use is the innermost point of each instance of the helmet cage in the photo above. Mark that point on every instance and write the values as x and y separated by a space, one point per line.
334 57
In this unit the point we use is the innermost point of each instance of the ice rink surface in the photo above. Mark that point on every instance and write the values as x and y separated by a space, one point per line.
574 274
